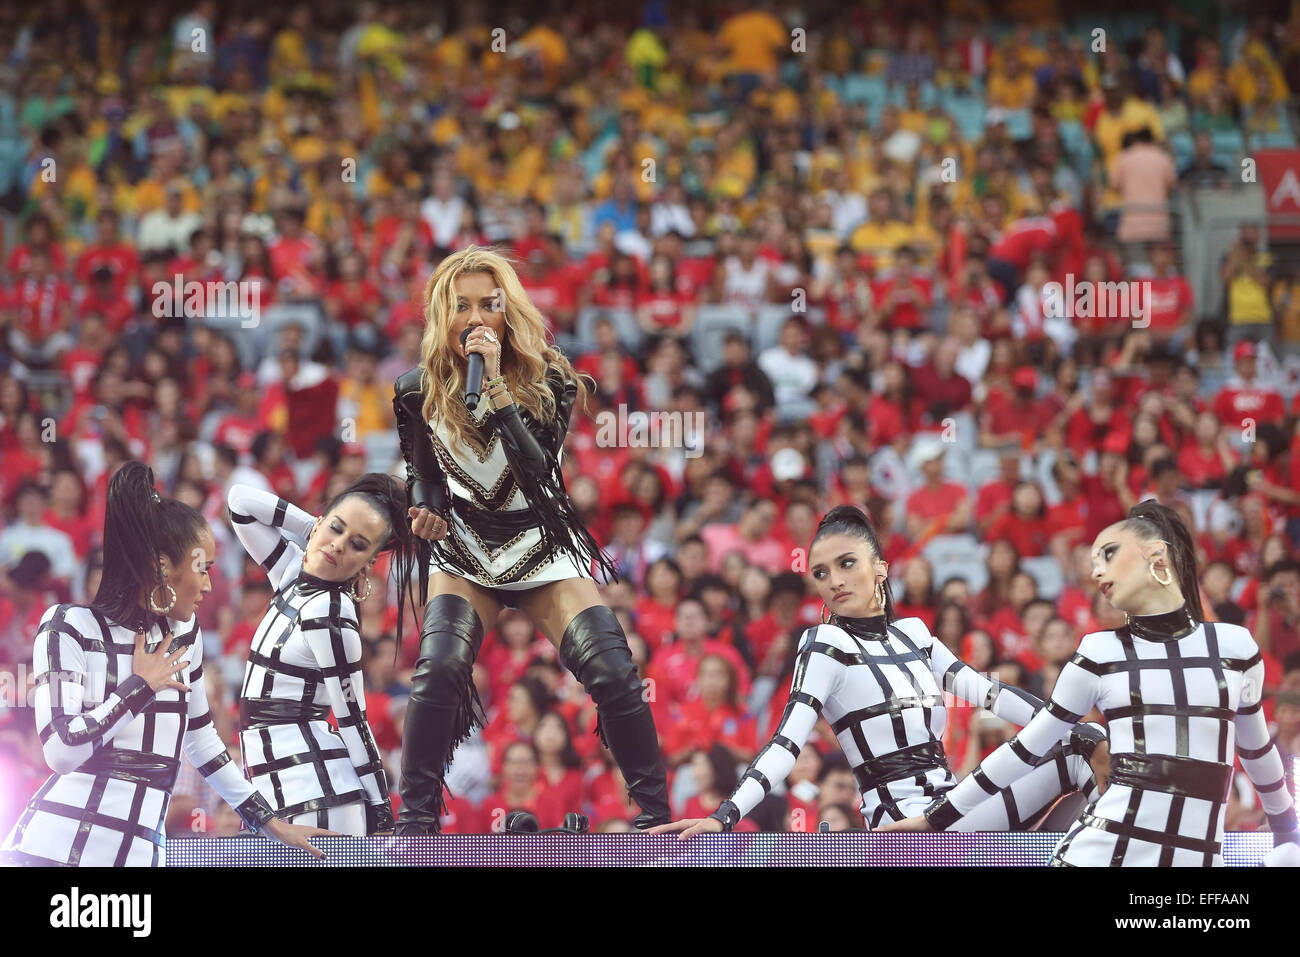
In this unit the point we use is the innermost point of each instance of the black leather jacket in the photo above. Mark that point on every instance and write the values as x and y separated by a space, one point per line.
531 448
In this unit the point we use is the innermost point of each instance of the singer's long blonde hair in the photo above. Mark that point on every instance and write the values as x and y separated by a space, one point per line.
526 356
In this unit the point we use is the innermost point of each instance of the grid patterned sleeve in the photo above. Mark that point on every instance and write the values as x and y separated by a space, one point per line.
818 676
208 753
1006 701
1259 755
1076 691
328 622
69 735
272 530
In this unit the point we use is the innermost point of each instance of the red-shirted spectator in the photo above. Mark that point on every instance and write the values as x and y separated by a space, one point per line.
714 771
295 255
559 767
1016 416
239 428
1170 305
40 241
674 671
1025 525
656 612
521 790
1244 397
108 251
937 507
904 297
994 498
1209 458
716 717
516 718
509 649
353 298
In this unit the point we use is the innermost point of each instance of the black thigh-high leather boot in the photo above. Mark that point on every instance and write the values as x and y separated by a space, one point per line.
595 649
443 708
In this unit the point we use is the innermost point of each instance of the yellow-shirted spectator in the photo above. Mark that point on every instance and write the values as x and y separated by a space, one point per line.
181 98
373 402
1123 115
1019 46
1256 79
523 171
752 40
1208 73
445 129
884 232
736 167
226 101
381 183
646 53
1013 87
151 194
451 52
289 53
549 48
383 43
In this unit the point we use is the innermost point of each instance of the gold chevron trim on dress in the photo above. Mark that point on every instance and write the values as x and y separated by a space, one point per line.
494 499
511 574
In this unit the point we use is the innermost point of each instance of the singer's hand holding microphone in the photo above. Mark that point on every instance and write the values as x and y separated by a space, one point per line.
480 346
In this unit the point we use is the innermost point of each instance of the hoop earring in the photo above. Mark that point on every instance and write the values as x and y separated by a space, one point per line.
1169 580
353 590
823 617
153 605
880 595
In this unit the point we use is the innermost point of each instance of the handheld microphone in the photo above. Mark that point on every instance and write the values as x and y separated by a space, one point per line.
473 375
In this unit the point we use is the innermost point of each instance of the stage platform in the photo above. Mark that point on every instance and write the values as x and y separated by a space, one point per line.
858 849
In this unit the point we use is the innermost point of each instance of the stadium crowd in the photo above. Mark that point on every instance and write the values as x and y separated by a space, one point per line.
825 237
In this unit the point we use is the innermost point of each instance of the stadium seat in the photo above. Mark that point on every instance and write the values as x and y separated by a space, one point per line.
625 327
1228 147
1020 125
382 450
768 321
712 323
860 88
968 113
1046 571
957 556
1183 146
984 467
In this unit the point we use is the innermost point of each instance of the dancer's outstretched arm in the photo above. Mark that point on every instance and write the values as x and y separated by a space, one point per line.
272 530
818 675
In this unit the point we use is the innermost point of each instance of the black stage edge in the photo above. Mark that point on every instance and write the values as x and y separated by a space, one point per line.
308 905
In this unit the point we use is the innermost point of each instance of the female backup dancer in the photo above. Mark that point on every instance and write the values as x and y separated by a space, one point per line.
306 653
1174 689
115 713
490 503
878 682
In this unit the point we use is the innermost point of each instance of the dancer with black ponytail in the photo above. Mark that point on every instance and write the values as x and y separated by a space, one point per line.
488 499
305 657
119 694
878 682
1176 691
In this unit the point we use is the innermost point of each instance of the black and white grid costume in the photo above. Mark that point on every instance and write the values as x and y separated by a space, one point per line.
501 534
304 660
115 745
880 687
1180 699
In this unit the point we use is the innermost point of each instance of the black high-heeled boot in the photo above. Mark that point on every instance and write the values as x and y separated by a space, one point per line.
595 649
441 713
